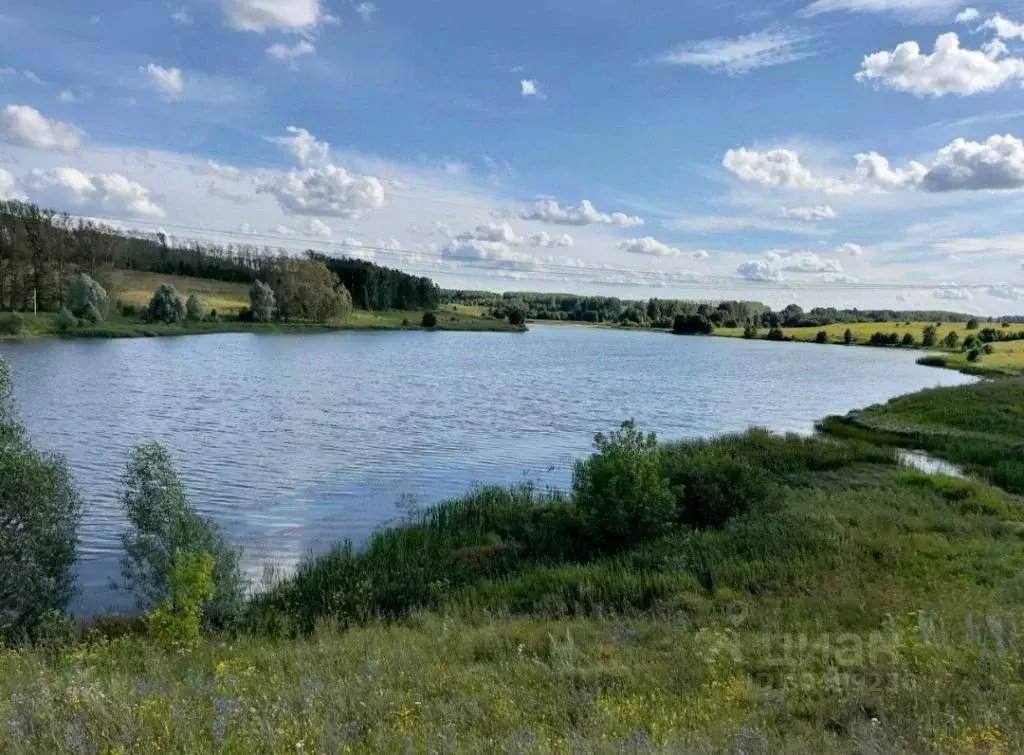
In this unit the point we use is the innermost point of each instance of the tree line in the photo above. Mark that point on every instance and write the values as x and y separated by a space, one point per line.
42 252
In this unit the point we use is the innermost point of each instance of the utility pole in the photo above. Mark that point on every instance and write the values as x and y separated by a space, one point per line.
34 310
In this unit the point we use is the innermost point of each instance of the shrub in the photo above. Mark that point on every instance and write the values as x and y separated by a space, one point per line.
621 492
973 324
66 321
92 315
39 515
988 348
691 325
163 525
166 305
951 340
973 355
83 293
712 489
11 324
178 620
928 336
517 317
821 337
129 310
908 339
193 308
848 337
405 322
261 299
776 334
245 315
429 320
750 330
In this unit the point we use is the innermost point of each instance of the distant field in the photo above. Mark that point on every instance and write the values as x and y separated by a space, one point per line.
1008 356
134 287
862 331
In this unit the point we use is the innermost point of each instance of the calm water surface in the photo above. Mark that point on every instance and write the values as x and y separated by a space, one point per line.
295 442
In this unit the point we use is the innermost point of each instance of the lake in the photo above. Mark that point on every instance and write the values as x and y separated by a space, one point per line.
294 442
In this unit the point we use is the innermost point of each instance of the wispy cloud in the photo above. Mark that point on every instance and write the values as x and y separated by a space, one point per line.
744 54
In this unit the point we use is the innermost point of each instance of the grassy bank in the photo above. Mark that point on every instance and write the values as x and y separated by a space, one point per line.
1007 358
798 595
136 288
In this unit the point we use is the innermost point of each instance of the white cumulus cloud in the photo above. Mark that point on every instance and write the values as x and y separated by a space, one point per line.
1005 291
489 254
366 11
497 232
96 192
742 54
168 81
779 168
952 293
809 262
264 15
1004 28
545 241
325 190
26 127
289 54
851 250
304 147
815 212
759 270
530 88
997 163
967 15
949 69
9 186
549 211
649 246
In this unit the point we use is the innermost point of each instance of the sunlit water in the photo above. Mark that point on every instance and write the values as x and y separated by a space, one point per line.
295 442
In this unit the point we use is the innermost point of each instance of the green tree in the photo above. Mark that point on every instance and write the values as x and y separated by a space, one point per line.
307 289
166 305
973 324
621 491
848 337
822 337
691 325
908 339
85 293
929 336
162 524
261 299
39 516
951 340
194 308
179 619
750 330
65 320
517 317
429 320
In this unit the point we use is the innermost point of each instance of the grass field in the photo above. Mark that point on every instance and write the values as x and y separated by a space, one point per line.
868 609
1007 358
136 288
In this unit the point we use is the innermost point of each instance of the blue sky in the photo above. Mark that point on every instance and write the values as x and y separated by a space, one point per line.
838 152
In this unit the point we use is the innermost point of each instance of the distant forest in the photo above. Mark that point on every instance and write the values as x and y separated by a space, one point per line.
660 313
41 251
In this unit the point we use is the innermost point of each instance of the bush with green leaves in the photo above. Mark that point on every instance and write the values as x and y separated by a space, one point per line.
11 324
39 516
821 337
87 299
692 325
166 305
750 330
713 488
848 337
162 525
193 308
908 339
66 321
951 340
517 317
262 302
929 336
178 621
973 324
621 491
429 320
